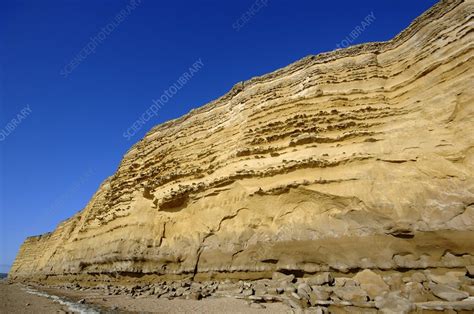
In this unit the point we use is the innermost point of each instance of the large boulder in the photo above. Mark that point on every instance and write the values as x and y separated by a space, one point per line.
355 295
304 291
321 279
448 293
452 278
416 292
372 283
392 303
277 276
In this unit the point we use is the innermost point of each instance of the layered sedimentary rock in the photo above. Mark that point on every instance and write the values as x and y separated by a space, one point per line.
357 158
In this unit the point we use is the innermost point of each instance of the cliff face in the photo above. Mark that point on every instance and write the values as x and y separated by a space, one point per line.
357 158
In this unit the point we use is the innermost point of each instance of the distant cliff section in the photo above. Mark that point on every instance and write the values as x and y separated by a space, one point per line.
357 158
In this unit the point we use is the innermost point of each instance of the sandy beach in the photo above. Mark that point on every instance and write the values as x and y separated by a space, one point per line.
15 298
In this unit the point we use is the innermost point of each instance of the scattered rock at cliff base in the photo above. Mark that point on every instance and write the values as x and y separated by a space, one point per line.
372 283
470 271
354 295
321 279
448 293
393 303
304 290
416 290
319 295
277 276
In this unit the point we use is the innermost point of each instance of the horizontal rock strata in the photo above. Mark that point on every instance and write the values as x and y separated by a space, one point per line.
353 159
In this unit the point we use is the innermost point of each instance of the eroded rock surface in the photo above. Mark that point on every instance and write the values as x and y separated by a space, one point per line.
353 159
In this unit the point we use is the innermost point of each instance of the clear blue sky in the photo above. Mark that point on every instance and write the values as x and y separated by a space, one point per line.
56 157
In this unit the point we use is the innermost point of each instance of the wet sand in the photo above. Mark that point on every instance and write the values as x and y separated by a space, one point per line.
13 299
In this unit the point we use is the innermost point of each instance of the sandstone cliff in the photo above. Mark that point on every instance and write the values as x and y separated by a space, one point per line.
356 158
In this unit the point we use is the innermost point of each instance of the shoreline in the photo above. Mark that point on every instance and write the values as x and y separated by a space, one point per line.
14 299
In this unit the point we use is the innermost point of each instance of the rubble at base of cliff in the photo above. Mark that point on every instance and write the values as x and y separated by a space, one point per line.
370 290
